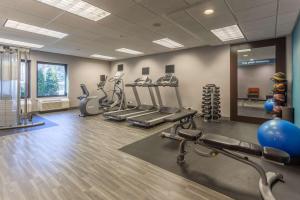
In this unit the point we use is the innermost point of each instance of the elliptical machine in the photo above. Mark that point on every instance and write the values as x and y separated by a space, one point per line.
117 100
94 105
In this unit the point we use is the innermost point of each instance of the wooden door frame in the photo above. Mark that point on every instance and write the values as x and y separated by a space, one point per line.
280 45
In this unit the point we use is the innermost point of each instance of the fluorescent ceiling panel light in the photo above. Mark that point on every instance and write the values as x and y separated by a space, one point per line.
19 43
245 55
129 51
33 29
102 57
166 42
78 7
228 33
243 50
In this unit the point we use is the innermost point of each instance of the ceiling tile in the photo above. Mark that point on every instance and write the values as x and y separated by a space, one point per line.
196 30
81 26
265 23
286 23
163 7
13 14
26 37
112 6
238 5
125 28
31 7
257 13
260 34
192 2
286 6
136 14
221 17
290 17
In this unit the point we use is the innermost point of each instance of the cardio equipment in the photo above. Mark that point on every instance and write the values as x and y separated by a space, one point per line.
117 100
94 105
144 81
163 113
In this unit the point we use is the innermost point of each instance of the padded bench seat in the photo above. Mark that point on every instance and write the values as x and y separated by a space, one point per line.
189 134
226 143
223 142
276 155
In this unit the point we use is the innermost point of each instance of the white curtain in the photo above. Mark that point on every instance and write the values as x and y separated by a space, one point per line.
9 67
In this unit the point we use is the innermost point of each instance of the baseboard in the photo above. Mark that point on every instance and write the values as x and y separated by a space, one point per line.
51 111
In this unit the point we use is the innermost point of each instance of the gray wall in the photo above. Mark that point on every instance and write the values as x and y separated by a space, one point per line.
194 68
80 70
257 76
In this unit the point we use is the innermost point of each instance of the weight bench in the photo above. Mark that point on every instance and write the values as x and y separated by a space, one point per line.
236 150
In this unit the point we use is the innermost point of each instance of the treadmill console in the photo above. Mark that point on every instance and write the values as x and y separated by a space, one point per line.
143 81
169 80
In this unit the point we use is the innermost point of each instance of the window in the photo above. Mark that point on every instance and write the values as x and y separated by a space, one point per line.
22 79
51 79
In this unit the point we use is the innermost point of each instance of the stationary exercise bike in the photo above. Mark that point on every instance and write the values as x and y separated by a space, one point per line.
94 105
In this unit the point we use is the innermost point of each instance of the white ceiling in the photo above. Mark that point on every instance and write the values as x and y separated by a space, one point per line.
131 23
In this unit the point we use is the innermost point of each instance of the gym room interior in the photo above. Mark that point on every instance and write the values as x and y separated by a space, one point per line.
149 99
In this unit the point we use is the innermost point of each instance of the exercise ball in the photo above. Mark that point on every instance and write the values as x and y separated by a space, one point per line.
280 134
269 104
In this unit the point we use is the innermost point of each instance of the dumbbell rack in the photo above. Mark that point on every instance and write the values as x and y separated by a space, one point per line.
211 103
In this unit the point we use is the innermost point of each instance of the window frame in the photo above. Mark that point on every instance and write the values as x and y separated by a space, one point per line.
29 79
66 79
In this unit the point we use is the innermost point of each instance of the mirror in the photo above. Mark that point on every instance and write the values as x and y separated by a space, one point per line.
255 67
252 64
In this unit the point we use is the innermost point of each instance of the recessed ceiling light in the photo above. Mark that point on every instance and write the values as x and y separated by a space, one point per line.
102 57
166 42
20 43
209 11
33 29
243 50
228 33
129 51
245 55
78 7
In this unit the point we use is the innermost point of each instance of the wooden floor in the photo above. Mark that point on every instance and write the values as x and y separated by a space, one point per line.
79 159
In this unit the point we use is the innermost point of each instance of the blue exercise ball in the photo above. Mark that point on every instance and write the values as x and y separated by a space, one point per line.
269 105
280 134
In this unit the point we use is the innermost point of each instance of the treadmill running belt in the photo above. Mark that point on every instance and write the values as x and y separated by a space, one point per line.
124 112
157 116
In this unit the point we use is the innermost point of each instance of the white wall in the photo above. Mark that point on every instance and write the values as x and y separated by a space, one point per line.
80 70
255 76
194 68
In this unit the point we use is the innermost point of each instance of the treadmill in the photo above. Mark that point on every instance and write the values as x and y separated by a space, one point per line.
144 81
164 113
